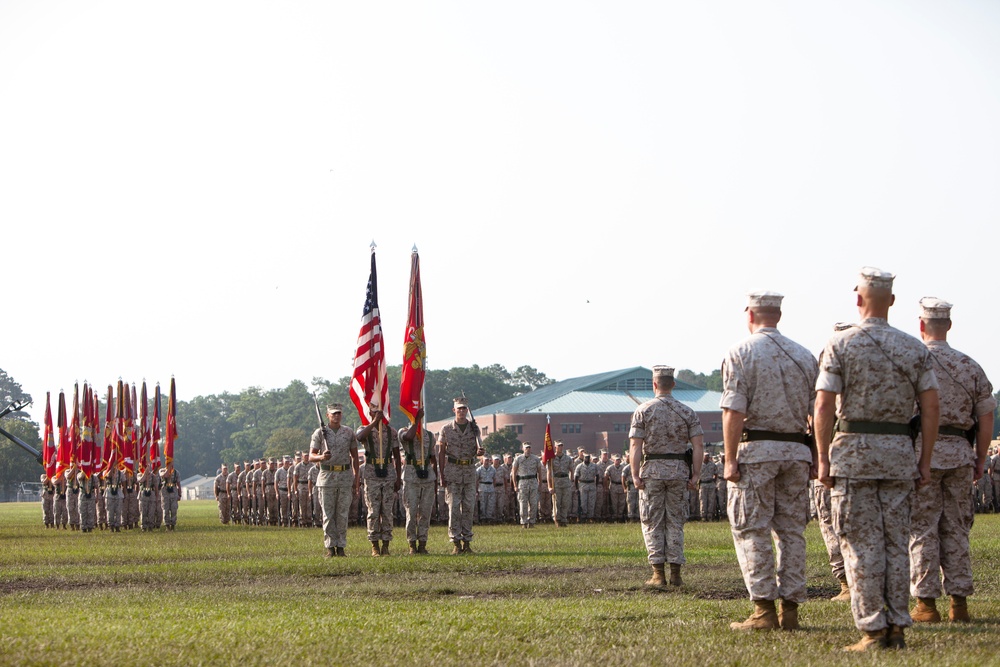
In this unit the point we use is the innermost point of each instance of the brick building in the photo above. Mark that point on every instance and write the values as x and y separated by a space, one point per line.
592 412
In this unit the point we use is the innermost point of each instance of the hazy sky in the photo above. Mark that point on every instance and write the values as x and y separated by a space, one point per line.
191 188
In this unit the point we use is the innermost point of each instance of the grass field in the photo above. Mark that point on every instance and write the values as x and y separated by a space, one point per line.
210 594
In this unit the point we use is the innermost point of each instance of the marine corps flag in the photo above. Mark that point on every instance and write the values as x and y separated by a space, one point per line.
110 452
87 439
63 454
411 384
369 384
49 442
168 448
154 443
549 450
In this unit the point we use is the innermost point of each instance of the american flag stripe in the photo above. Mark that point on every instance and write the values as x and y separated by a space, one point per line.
369 383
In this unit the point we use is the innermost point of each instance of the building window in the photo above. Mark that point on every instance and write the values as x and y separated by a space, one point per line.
516 428
716 426
572 428
485 430
621 427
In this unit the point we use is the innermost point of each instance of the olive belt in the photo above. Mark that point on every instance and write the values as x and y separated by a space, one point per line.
751 435
460 462
328 468
672 457
872 428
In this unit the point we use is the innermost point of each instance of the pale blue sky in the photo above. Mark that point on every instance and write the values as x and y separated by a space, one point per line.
592 186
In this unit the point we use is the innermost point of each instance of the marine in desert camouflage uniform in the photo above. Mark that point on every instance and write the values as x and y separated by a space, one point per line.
334 448
382 478
940 513
660 431
419 483
768 396
561 485
871 374
458 447
221 490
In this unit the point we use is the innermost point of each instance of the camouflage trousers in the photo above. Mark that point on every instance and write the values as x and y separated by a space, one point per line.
336 503
102 510
379 496
170 507
616 496
544 503
222 499
562 499
771 499
88 510
284 508
114 508
305 506
146 506
73 507
661 510
487 502
706 500
418 500
271 503
461 499
940 521
824 513
632 502
601 502
527 496
872 518
588 500
47 514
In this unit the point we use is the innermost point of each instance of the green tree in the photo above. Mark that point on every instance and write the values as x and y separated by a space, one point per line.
286 440
503 441
17 465
11 391
712 382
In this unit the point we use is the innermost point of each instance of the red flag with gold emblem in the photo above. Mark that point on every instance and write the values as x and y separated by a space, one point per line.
549 450
154 444
87 435
168 448
49 442
411 384
63 453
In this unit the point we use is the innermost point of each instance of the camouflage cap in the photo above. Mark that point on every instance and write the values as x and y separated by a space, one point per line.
461 400
333 408
663 372
764 299
933 308
876 278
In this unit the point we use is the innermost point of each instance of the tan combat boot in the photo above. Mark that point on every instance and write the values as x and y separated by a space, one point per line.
894 637
458 547
788 616
675 575
658 579
764 617
845 592
422 547
413 548
328 553
385 547
871 641
375 550
925 611
467 548
959 611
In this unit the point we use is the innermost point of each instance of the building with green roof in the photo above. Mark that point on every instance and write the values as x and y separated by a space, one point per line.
593 411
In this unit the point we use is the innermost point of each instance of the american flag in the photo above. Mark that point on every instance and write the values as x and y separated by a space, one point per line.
369 383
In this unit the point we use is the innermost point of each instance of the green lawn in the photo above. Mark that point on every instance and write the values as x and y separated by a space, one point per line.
212 594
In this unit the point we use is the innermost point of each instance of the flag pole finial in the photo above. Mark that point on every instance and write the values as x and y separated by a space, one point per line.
373 246
414 248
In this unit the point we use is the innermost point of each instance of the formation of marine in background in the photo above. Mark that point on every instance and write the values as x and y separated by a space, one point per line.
110 480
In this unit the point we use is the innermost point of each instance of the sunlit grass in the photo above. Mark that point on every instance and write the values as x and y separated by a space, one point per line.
212 594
